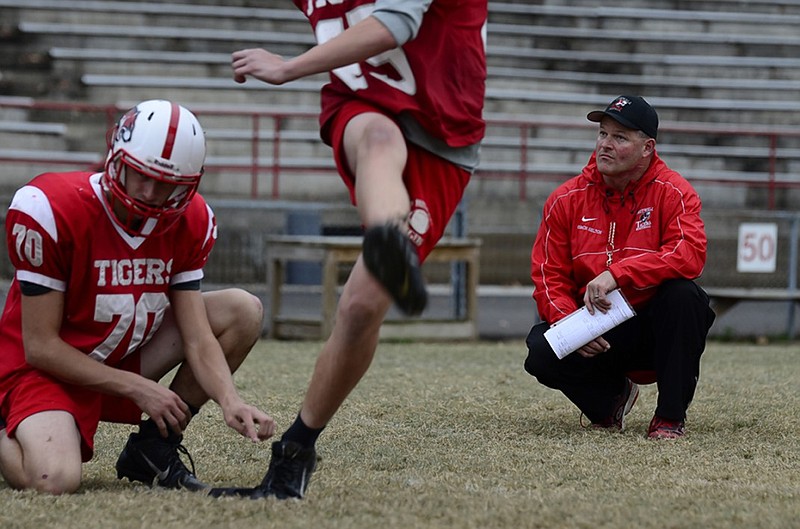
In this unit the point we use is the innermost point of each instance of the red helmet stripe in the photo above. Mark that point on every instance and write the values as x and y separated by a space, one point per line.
172 131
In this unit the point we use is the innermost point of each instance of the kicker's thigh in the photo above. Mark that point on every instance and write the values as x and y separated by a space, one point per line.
230 309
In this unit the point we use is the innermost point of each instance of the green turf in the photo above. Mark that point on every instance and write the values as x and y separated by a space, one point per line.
458 435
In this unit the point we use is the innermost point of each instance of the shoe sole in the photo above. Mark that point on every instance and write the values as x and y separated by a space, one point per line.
238 492
390 258
134 475
665 436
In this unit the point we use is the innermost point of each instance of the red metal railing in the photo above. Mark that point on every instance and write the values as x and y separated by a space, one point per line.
523 171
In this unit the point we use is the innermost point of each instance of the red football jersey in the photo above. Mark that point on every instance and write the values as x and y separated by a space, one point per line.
60 235
439 77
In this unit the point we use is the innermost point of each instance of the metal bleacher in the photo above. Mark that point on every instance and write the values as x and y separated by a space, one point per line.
719 80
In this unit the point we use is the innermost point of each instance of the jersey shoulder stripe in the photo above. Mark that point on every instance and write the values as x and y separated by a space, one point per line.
34 202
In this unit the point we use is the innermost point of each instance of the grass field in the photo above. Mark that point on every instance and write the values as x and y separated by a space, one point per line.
457 435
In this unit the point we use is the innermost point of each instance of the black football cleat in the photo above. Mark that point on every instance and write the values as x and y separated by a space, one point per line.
288 475
391 258
156 462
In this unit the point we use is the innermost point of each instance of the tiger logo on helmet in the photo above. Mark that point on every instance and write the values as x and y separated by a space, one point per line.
124 131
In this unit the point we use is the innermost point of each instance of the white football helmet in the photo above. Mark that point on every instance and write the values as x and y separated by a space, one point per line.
165 142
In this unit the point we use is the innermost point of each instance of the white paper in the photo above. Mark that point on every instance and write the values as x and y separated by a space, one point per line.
579 328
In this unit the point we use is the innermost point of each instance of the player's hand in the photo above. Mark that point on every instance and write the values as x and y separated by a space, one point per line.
249 421
163 406
594 348
260 64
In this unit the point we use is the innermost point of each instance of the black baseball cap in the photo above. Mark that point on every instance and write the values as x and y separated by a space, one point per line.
630 111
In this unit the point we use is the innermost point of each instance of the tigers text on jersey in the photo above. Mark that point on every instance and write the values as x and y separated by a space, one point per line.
644 236
438 77
116 287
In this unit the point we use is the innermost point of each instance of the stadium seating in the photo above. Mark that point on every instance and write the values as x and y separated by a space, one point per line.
718 79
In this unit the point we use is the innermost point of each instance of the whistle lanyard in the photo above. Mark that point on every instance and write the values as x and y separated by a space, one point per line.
612 228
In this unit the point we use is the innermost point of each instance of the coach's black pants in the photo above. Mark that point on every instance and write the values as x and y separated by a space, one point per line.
667 336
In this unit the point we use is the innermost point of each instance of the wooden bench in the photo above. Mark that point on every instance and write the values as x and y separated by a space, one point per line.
333 252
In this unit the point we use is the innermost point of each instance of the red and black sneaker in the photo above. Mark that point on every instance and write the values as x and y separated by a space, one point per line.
622 407
661 428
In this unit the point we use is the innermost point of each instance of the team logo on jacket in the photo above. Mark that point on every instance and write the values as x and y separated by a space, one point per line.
643 217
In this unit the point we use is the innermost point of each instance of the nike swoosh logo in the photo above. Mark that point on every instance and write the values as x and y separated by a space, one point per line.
588 219
303 480
161 475
404 288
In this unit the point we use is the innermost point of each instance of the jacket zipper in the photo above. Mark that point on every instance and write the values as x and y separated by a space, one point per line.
612 228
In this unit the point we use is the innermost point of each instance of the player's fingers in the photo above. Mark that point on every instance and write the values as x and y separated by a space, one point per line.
243 423
266 428
175 422
237 63
250 429
178 413
162 426
239 54
183 421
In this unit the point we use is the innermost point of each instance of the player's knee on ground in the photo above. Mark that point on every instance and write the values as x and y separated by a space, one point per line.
56 479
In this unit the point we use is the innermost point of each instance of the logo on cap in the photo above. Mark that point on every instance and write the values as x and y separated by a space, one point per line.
619 104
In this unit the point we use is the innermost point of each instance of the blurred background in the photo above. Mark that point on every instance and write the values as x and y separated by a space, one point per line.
724 76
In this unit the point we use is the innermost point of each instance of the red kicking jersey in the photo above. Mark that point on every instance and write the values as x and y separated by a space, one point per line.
60 236
438 77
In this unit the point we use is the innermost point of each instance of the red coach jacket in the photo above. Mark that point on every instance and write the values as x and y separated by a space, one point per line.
649 233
